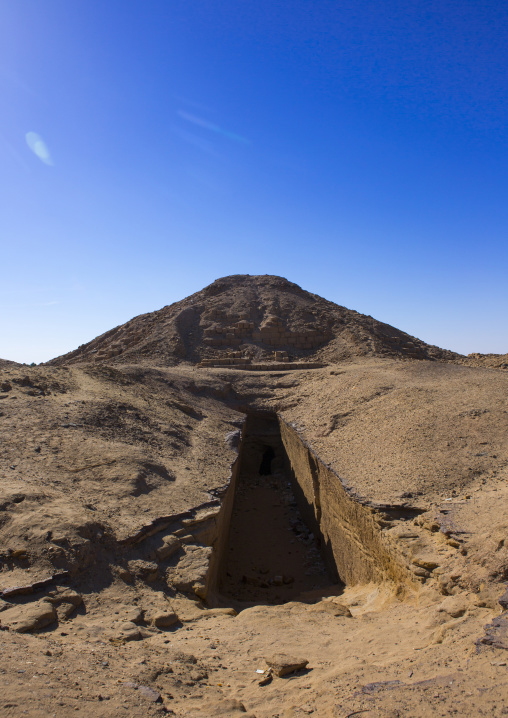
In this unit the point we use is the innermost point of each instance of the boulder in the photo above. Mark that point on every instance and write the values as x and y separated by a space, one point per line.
332 609
29 617
283 664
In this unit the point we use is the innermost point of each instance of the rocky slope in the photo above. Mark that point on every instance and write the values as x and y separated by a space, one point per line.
251 318
494 361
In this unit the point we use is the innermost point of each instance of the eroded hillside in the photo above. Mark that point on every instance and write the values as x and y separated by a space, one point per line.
248 319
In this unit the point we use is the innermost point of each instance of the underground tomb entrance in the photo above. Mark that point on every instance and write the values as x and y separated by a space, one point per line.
271 555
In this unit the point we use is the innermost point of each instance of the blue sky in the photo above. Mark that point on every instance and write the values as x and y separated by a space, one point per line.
357 148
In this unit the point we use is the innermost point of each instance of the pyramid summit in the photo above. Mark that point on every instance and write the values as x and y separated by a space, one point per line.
251 319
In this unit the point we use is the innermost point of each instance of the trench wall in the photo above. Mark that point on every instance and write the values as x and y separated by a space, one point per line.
220 538
350 535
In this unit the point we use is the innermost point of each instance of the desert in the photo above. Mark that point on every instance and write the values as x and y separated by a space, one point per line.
254 501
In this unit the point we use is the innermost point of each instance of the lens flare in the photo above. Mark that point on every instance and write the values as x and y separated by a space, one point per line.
38 147
200 122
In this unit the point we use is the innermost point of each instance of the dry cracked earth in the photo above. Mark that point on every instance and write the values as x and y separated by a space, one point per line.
187 532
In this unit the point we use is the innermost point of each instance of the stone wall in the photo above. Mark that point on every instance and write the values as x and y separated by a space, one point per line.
271 332
350 533
233 363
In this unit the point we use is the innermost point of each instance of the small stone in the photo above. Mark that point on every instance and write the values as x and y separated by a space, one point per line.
454 606
421 572
479 602
283 665
267 678
150 694
200 590
125 575
164 619
171 546
66 595
333 609
453 543
428 563
134 614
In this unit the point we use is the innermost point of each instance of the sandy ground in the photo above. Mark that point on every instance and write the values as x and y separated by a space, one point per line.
100 464
388 659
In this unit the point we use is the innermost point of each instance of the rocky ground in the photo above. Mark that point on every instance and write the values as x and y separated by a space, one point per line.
101 467
126 590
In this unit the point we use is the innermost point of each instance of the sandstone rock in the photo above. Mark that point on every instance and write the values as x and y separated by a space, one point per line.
429 563
200 590
454 606
145 570
453 543
225 707
30 617
163 619
150 694
418 571
171 546
124 574
128 631
331 608
192 569
448 584
283 664
65 595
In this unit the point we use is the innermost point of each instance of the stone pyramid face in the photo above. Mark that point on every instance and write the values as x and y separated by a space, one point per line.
246 319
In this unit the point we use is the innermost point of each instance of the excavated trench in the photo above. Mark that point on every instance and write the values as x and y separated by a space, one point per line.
290 529
271 555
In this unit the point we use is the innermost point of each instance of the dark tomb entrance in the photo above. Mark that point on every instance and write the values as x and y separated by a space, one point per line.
271 555
266 462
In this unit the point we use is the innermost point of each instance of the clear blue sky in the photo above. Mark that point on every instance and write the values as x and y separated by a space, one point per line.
358 148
